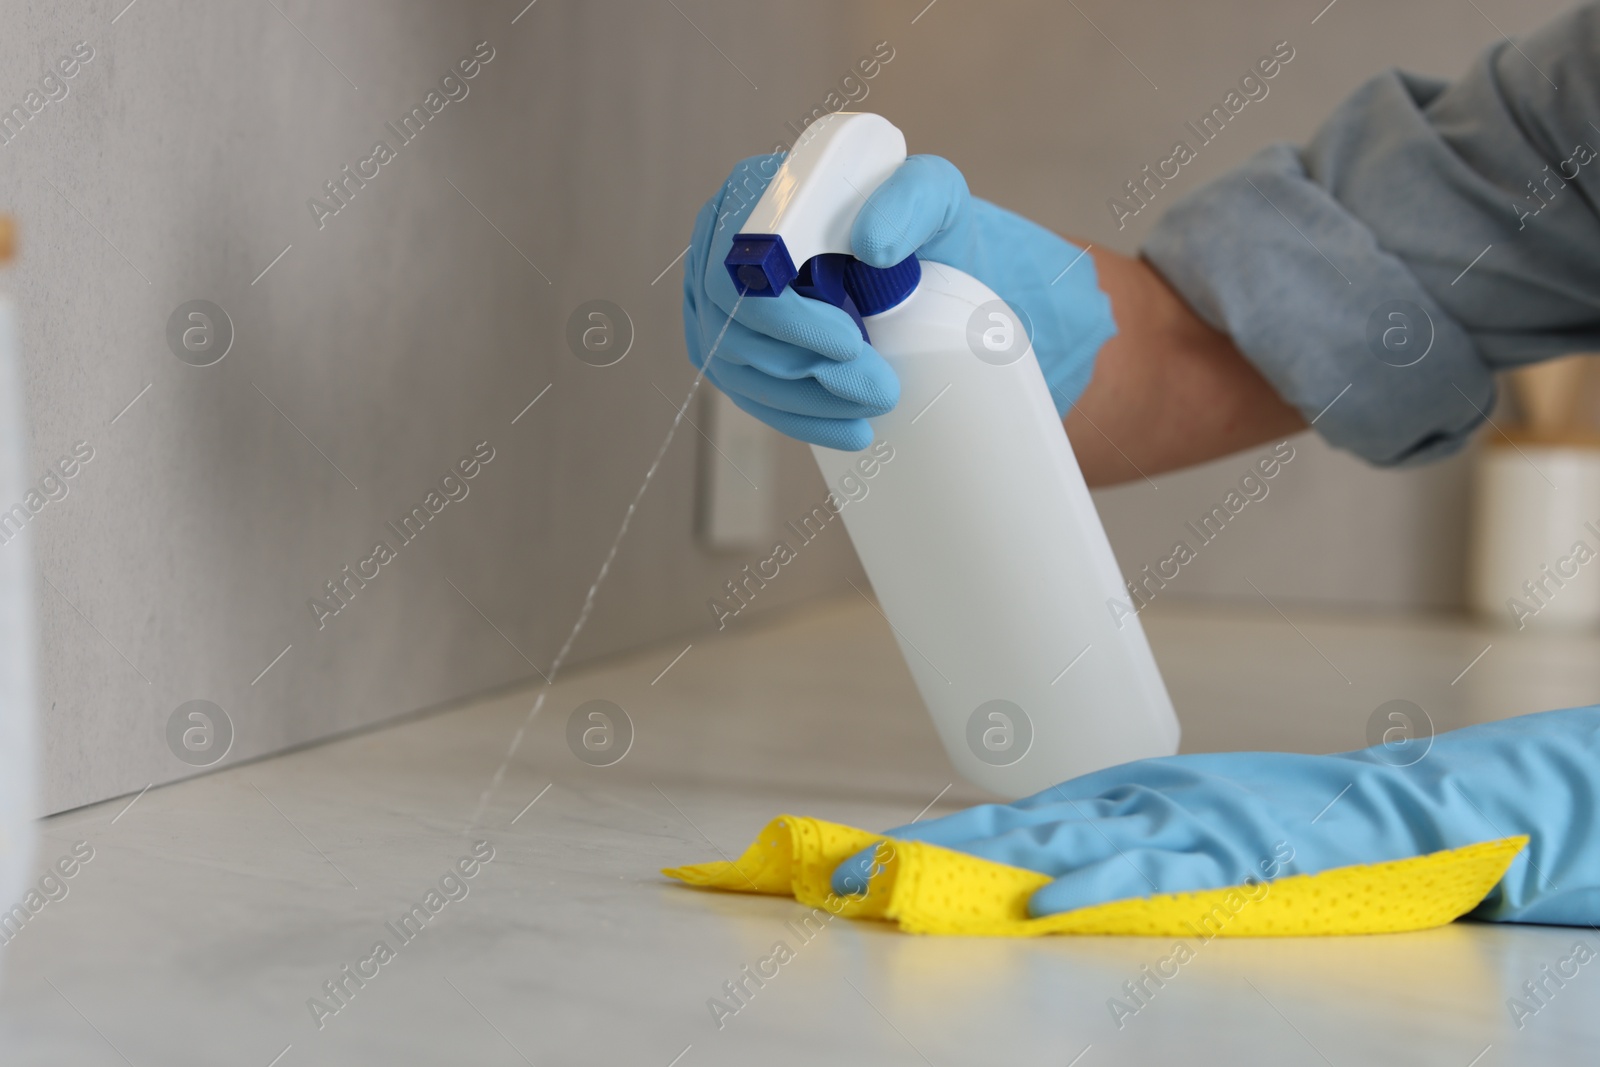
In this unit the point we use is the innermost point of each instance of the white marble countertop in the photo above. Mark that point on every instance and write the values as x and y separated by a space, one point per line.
213 910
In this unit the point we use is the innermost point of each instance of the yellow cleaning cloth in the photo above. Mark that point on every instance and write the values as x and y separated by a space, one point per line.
931 890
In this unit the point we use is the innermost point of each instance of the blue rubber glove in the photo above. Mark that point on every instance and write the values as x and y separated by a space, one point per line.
801 366
1182 823
798 365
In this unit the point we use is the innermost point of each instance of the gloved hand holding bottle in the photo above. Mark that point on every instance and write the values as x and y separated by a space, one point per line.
1193 822
801 365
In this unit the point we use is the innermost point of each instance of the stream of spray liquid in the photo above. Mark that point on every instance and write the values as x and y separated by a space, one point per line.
594 588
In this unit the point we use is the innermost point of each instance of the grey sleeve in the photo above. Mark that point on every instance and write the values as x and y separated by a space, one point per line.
1429 235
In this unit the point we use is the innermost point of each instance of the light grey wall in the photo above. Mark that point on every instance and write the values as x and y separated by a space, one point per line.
394 338
1049 108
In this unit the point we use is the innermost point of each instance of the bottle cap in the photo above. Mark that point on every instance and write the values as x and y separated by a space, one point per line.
877 289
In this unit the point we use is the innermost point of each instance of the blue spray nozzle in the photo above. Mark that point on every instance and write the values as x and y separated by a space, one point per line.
759 264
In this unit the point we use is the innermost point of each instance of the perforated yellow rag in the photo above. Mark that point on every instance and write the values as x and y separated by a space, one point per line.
931 890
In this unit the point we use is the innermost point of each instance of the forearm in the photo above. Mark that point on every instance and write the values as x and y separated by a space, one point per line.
1168 391
1378 276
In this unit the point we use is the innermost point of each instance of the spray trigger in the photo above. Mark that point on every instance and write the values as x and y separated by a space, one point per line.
827 278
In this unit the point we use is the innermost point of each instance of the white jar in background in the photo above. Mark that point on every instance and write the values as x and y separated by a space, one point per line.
1535 544
17 703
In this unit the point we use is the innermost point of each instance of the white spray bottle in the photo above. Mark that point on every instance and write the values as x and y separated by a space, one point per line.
979 536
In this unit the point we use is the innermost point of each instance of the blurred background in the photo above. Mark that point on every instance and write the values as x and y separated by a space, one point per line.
447 309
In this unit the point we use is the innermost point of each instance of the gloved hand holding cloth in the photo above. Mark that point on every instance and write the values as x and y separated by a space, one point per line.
1494 821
